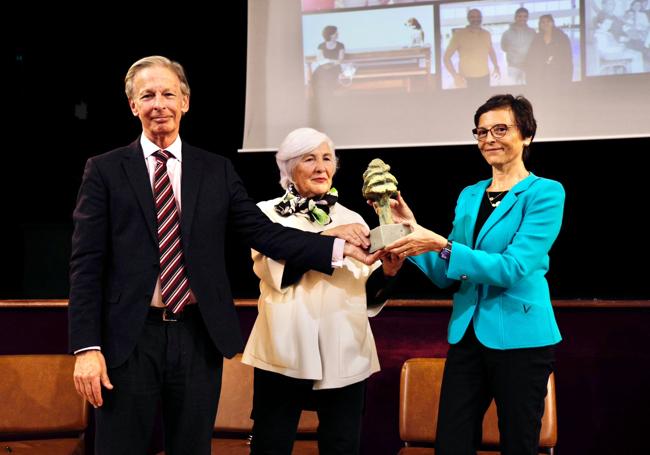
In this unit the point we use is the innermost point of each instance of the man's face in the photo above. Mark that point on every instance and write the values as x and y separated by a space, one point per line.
157 100
521 18
474 18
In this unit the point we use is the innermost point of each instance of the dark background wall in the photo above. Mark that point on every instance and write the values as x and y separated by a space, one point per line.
57 67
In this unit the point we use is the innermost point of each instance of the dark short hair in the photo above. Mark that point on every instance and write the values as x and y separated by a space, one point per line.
415 22
521 109
328 31
547 16
521 10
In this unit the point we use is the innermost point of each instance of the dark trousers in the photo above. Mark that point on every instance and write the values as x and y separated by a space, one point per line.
474 374
278 401
176 366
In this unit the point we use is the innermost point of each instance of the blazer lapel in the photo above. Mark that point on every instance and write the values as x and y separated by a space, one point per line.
190 184
505 206
473 205
136 171
506 203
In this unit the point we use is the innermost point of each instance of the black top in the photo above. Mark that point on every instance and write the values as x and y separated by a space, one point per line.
332 54
547 64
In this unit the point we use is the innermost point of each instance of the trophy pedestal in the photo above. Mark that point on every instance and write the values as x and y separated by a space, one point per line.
386 234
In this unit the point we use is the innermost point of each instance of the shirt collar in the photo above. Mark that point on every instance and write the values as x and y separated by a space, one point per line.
149 148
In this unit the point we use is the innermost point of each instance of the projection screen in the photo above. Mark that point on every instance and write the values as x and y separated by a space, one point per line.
391 73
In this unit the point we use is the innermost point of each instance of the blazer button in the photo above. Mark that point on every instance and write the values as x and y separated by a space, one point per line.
463 277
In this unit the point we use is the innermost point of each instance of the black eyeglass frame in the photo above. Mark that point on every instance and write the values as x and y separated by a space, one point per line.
476 132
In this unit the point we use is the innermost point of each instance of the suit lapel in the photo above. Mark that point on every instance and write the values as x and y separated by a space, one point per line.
190 184
136 171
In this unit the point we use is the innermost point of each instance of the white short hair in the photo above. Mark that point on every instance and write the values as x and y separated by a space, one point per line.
298 143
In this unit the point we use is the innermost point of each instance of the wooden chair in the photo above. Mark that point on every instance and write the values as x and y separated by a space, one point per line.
418 413
40 412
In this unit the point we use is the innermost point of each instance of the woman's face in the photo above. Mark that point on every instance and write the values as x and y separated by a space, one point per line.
313 174
545 24
499 151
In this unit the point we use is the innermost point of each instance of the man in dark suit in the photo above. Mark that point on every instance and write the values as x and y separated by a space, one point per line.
151 313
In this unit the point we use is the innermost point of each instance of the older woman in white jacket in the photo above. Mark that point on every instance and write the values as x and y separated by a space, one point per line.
311 345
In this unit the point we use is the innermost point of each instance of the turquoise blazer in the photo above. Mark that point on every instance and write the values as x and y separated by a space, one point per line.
503 288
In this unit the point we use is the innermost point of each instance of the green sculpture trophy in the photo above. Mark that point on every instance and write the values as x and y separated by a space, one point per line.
378 186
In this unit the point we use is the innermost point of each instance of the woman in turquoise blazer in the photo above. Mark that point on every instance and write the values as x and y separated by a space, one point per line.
502 330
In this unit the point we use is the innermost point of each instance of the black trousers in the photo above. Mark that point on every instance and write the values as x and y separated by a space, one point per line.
278 401
176 366
474 374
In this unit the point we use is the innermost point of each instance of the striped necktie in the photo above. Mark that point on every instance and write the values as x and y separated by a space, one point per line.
174 286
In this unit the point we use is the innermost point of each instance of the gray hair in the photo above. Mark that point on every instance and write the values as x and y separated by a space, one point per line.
155 60
298 143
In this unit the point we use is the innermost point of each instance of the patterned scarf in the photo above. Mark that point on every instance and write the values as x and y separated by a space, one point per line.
316 208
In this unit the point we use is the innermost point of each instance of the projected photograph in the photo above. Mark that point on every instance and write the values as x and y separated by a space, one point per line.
618 37
387 49
502 43
324 5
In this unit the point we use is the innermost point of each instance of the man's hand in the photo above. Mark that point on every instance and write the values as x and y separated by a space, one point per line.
355 233
89 375
459 81
362 255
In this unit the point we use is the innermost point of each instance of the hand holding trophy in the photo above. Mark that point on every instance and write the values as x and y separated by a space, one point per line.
378 186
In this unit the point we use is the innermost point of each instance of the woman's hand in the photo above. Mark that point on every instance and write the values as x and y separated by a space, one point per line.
391 264
420 240
399 209
355 233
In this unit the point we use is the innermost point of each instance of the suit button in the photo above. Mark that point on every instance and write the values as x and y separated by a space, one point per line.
464 277
155 266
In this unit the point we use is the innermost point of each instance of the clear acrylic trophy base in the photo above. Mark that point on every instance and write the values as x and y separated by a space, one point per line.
386 234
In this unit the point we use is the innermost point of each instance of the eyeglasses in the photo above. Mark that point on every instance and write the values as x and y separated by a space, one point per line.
498 130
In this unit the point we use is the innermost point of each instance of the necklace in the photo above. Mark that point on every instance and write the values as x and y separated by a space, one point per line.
496 199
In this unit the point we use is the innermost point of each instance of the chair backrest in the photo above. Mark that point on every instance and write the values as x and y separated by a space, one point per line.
38 395
420 396
236 402
419 399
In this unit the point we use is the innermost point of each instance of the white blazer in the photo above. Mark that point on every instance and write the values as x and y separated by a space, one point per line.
317 328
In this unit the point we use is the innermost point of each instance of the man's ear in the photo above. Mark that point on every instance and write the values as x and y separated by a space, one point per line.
185 105
134 107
